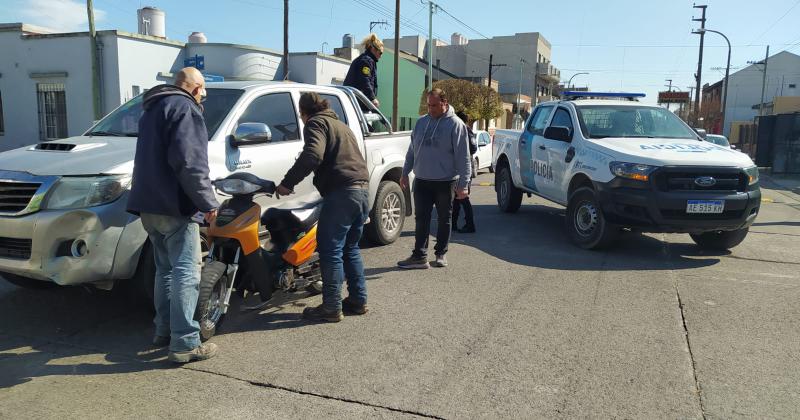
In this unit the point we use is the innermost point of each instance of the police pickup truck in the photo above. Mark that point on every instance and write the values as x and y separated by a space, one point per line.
616 163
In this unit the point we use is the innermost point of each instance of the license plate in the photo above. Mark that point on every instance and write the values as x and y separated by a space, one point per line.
705 206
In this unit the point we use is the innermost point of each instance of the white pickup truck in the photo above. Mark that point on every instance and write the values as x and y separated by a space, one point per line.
618 164
62 203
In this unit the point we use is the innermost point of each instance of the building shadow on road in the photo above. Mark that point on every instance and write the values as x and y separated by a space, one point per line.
535 236
69 331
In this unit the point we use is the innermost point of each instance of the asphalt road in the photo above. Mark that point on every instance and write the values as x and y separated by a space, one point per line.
521 325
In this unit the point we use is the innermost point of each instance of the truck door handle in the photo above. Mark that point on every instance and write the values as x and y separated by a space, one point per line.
570 154
522 141
541 147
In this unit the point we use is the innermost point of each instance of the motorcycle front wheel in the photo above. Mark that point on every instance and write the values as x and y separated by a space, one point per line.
210 311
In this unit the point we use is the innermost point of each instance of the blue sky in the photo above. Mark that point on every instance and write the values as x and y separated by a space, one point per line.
624 44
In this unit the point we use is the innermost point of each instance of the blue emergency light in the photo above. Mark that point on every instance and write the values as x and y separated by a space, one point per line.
571 95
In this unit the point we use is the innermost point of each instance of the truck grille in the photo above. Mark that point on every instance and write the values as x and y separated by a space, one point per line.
15 248
15 196
724 181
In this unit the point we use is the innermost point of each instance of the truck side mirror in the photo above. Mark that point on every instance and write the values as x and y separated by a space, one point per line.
248 134
558 133
701 132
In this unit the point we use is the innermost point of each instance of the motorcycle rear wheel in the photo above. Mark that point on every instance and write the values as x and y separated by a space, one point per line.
209 312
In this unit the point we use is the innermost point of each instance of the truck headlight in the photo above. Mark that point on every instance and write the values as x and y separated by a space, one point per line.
635 171
752 174
75 192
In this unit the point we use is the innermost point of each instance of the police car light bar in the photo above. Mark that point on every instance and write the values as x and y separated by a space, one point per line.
571 95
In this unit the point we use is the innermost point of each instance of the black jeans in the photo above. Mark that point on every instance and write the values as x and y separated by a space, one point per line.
426 195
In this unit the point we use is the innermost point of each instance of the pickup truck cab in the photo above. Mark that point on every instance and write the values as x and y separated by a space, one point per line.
618 164
63 216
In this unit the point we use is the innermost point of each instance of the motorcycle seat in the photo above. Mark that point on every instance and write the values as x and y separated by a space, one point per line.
304 216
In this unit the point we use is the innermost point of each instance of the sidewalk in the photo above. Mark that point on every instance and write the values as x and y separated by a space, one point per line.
786 182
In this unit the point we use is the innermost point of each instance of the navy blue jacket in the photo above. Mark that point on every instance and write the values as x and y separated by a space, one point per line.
363 75
170 171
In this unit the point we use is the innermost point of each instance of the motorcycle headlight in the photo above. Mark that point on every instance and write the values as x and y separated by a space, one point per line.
236 186
79 192
752 174
635 171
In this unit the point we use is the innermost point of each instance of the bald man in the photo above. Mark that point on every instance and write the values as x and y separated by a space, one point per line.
170 185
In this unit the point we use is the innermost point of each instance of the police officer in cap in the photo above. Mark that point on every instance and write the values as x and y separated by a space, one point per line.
363 72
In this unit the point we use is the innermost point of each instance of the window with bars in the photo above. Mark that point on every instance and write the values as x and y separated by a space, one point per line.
2 125
52 110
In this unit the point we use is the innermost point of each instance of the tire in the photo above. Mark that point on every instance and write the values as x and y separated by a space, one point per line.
144 281
720 240
388 214
209 302
474 167
509 197
585 222
28 283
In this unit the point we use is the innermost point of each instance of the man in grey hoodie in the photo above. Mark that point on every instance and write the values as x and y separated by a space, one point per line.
439 156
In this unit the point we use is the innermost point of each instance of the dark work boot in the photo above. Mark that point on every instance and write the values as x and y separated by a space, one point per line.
318 313
351 308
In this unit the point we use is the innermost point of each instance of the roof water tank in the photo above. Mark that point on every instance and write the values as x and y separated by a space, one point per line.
152 21
348 41
198 38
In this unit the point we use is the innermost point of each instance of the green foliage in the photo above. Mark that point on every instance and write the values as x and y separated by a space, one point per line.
477 101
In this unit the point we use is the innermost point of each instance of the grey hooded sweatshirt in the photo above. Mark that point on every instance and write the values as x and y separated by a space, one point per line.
439 150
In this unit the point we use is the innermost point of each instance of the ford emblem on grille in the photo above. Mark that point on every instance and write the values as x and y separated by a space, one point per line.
705 181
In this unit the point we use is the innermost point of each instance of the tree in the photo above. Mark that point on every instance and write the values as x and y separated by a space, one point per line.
477 101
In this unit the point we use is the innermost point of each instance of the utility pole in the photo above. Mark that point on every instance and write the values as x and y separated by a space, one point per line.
699 74
96 100
431 10
519 93
669 86
763 85
285 39
373 24
395 91
491 66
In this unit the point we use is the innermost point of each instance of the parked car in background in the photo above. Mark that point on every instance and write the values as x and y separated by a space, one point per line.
483 157
63 216
718 140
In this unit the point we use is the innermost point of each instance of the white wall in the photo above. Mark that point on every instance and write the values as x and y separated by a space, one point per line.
237 61
23 56
783 69
141 61
316 69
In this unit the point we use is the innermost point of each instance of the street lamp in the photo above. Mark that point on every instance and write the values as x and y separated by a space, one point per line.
569 83
727 71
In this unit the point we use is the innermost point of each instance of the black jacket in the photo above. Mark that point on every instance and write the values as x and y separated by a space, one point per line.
170 170
363 75
331 152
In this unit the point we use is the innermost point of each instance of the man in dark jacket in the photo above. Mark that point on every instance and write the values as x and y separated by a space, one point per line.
340 174
170 185
363 71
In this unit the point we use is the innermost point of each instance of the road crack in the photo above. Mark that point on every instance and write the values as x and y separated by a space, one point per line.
314 394
688 341
736 257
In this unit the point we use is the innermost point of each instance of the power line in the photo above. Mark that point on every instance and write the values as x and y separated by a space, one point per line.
770 27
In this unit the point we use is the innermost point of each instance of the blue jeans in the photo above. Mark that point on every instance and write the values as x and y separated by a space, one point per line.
341 223
176 248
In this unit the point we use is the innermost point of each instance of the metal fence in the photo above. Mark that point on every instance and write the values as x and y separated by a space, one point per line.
778 143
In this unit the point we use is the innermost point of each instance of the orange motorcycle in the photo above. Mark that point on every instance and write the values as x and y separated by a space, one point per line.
238 260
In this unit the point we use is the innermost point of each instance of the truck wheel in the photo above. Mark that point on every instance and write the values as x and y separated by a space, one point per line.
721 240
388 214
28 283
474 168
509 197
586 225
145 278
211 298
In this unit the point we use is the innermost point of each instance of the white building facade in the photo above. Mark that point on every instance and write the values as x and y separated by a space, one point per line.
46 78
744 96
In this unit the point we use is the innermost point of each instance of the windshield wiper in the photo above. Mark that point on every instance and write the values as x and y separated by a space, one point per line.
106 133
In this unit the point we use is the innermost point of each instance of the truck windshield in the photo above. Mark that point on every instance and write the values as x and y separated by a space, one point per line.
124 121
601 121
